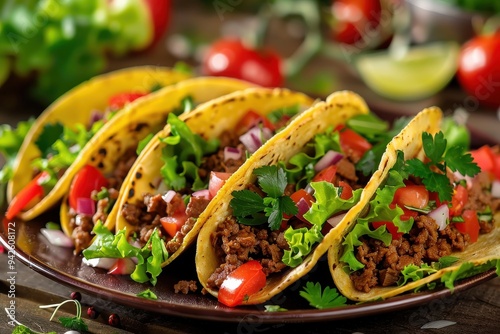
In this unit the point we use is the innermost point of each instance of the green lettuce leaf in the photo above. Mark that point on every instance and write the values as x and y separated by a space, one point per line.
468 269
301 242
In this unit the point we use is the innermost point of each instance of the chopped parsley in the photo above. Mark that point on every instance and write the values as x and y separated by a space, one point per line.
319 299
250 208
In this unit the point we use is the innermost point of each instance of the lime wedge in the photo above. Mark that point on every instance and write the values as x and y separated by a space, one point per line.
422 72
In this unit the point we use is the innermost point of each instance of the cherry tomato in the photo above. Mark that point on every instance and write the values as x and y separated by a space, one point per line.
479 70
33 191
231 58
327 174
246 280
354 19
412 195
484 158
391 228
251 119
118 101
346 190
352 141
459 199
217 180
470 225
160 15
84 183
172 224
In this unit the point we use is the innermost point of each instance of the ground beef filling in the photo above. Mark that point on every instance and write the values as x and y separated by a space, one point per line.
237 244
424 244
81 224
146 215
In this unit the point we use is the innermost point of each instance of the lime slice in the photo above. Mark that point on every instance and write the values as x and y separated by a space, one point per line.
422 72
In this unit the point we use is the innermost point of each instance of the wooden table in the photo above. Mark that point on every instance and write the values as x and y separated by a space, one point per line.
475 310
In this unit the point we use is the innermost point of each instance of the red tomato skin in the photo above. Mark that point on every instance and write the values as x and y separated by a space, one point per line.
251 119
327 174
296 197
458 200
246 280
231 58
29 193
172 224
353 19
352 141
160 11
88 179
484 158
118 101
412 195
391 228
479 70
496 169
346 190
217 180
470 226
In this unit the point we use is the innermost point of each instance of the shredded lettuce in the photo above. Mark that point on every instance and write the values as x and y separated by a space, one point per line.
300 168
183 154
11 140
468 269
149 258
301 242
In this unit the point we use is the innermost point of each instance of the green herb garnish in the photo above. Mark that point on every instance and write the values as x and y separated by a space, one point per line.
322 299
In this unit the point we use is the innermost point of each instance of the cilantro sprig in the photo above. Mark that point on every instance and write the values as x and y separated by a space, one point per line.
433 172
250 208
321 299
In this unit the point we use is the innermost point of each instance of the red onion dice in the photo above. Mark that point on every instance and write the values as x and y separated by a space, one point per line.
330 158
232 153
85 206
441 216
255 137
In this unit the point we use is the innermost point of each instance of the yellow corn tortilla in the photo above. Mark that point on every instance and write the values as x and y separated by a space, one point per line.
208 120
141 118
410 142
337 109
77 106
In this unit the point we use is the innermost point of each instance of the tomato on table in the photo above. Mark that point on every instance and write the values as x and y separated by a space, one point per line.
33 191
391 228
246 280
88 179
479 70
354 18
160 16
229 57
352 141
470 225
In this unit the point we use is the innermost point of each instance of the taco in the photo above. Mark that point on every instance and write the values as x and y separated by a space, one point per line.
279 215
60 134
184 166
432 216
95 178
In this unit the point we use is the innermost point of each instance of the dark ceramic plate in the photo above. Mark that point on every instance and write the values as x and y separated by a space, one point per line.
61 265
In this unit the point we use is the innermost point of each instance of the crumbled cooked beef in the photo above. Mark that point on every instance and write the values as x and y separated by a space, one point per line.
185 287
236 244
122 168
104 205
196 206
155 203
216 162
424 243
82 226
347 170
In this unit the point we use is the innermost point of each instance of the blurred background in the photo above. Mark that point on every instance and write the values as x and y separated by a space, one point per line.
400 55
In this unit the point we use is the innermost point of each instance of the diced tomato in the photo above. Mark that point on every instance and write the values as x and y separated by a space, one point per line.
412 195
470 225
391 228
172 224
352 141
327 174
407 213
303 200
346 190
251 119
118 101
122 266
246 280
88 179
217 180
458 201
496 169
484 158
33 191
